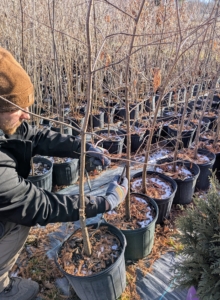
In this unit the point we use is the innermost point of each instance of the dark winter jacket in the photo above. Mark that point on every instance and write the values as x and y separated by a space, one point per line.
22 202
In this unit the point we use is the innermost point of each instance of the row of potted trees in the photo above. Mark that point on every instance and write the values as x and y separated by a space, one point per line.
173 181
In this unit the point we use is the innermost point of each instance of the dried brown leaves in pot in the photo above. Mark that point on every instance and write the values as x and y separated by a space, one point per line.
106 248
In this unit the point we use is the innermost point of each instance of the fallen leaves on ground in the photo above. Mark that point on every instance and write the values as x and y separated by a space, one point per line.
34 263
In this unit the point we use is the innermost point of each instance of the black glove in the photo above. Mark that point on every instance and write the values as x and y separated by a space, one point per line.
95 158
116 193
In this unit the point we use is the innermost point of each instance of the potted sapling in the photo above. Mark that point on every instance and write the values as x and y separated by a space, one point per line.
95 253
139 212
184 173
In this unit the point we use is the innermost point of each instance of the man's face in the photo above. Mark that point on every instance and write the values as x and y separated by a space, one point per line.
10 121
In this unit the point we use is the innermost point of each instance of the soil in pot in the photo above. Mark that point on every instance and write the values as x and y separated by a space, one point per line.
41 174
101 274
185 175
155 153
160 188
205 160
139 230
40 168
157 187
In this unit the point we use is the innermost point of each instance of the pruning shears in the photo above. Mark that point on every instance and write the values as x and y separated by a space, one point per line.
122 175
88 181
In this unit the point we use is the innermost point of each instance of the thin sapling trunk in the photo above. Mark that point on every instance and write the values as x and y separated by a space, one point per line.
127 201
86 241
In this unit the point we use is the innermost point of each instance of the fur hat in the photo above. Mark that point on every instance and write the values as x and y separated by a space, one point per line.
15 84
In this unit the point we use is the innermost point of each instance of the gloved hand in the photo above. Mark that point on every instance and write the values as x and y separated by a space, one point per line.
116 193
95 158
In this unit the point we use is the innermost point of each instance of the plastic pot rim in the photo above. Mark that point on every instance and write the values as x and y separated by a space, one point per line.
211 161
120 138
95 274
176 130
185 162
158 173
153 202
40 175
65 163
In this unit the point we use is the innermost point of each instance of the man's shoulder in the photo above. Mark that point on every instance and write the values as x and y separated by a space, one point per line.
5 155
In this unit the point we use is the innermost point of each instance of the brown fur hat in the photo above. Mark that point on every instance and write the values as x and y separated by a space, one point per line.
15 84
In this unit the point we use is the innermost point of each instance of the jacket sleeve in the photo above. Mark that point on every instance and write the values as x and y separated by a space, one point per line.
23 203
49 143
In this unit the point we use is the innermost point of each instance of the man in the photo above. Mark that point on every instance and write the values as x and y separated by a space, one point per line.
22 204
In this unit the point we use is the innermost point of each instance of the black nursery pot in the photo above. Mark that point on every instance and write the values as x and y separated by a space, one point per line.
77 123
45 122
164 205
214 104
195 90
186 135
204 126
137 140
113 146
170 112
120 112
43 181
66 130
202 182
215 101
216 165
109 114
185 188
140 241
66 173
108 284
212 119
97 119
162 131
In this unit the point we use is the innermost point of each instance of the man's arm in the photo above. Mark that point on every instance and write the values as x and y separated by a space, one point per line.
47 142
23 203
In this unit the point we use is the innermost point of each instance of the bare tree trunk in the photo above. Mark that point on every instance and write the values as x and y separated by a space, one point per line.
179 132
58 87
86 242
127 203
22 33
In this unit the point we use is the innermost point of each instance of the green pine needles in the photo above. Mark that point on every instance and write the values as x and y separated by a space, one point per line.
200 236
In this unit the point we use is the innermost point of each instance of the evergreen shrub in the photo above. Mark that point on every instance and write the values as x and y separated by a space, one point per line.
199 234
